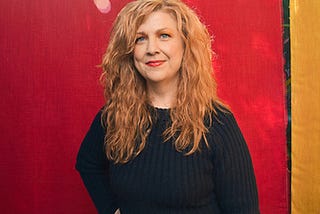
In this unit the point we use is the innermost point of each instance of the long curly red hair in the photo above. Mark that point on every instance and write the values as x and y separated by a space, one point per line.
127 116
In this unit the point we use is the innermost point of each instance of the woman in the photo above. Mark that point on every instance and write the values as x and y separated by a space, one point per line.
164 142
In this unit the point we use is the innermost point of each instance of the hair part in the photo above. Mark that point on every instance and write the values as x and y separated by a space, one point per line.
125 89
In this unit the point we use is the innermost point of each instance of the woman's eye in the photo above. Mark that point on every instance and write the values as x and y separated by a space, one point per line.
164 36
140 39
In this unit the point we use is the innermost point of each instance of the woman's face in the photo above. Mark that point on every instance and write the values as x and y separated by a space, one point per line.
159 50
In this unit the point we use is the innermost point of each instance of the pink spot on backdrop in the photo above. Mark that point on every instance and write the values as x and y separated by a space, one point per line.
104 6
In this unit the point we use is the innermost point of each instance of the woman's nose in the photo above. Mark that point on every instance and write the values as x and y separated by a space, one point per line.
152 47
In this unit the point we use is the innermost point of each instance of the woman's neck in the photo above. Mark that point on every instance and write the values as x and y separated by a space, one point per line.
162 97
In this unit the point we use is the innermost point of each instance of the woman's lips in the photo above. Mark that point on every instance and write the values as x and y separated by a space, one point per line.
155 63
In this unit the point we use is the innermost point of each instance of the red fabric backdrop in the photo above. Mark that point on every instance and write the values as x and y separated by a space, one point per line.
50 93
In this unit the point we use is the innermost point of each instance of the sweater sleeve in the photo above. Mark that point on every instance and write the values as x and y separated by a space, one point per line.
234 178
92 165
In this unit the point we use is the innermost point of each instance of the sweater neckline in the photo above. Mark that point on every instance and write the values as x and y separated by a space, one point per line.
159 109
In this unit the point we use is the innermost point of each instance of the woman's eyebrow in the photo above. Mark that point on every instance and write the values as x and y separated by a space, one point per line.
141 33
158 30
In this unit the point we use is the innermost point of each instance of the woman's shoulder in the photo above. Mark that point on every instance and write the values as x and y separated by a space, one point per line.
97 122
223 122
224 133
221 113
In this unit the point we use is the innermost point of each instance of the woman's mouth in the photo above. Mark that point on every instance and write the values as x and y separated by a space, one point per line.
154 63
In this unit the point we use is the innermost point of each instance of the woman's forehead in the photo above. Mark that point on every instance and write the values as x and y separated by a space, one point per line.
158 20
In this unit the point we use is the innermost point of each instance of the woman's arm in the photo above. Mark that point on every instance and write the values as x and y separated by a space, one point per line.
92 165
235 182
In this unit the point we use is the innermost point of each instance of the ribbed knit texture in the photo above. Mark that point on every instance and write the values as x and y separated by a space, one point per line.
219 179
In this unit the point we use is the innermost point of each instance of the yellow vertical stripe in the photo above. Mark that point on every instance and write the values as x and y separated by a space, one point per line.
305 68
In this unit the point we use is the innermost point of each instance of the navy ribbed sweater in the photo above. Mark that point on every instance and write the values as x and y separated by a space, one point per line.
219 179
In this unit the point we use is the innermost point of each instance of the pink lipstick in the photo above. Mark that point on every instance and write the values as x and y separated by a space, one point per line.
155 63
